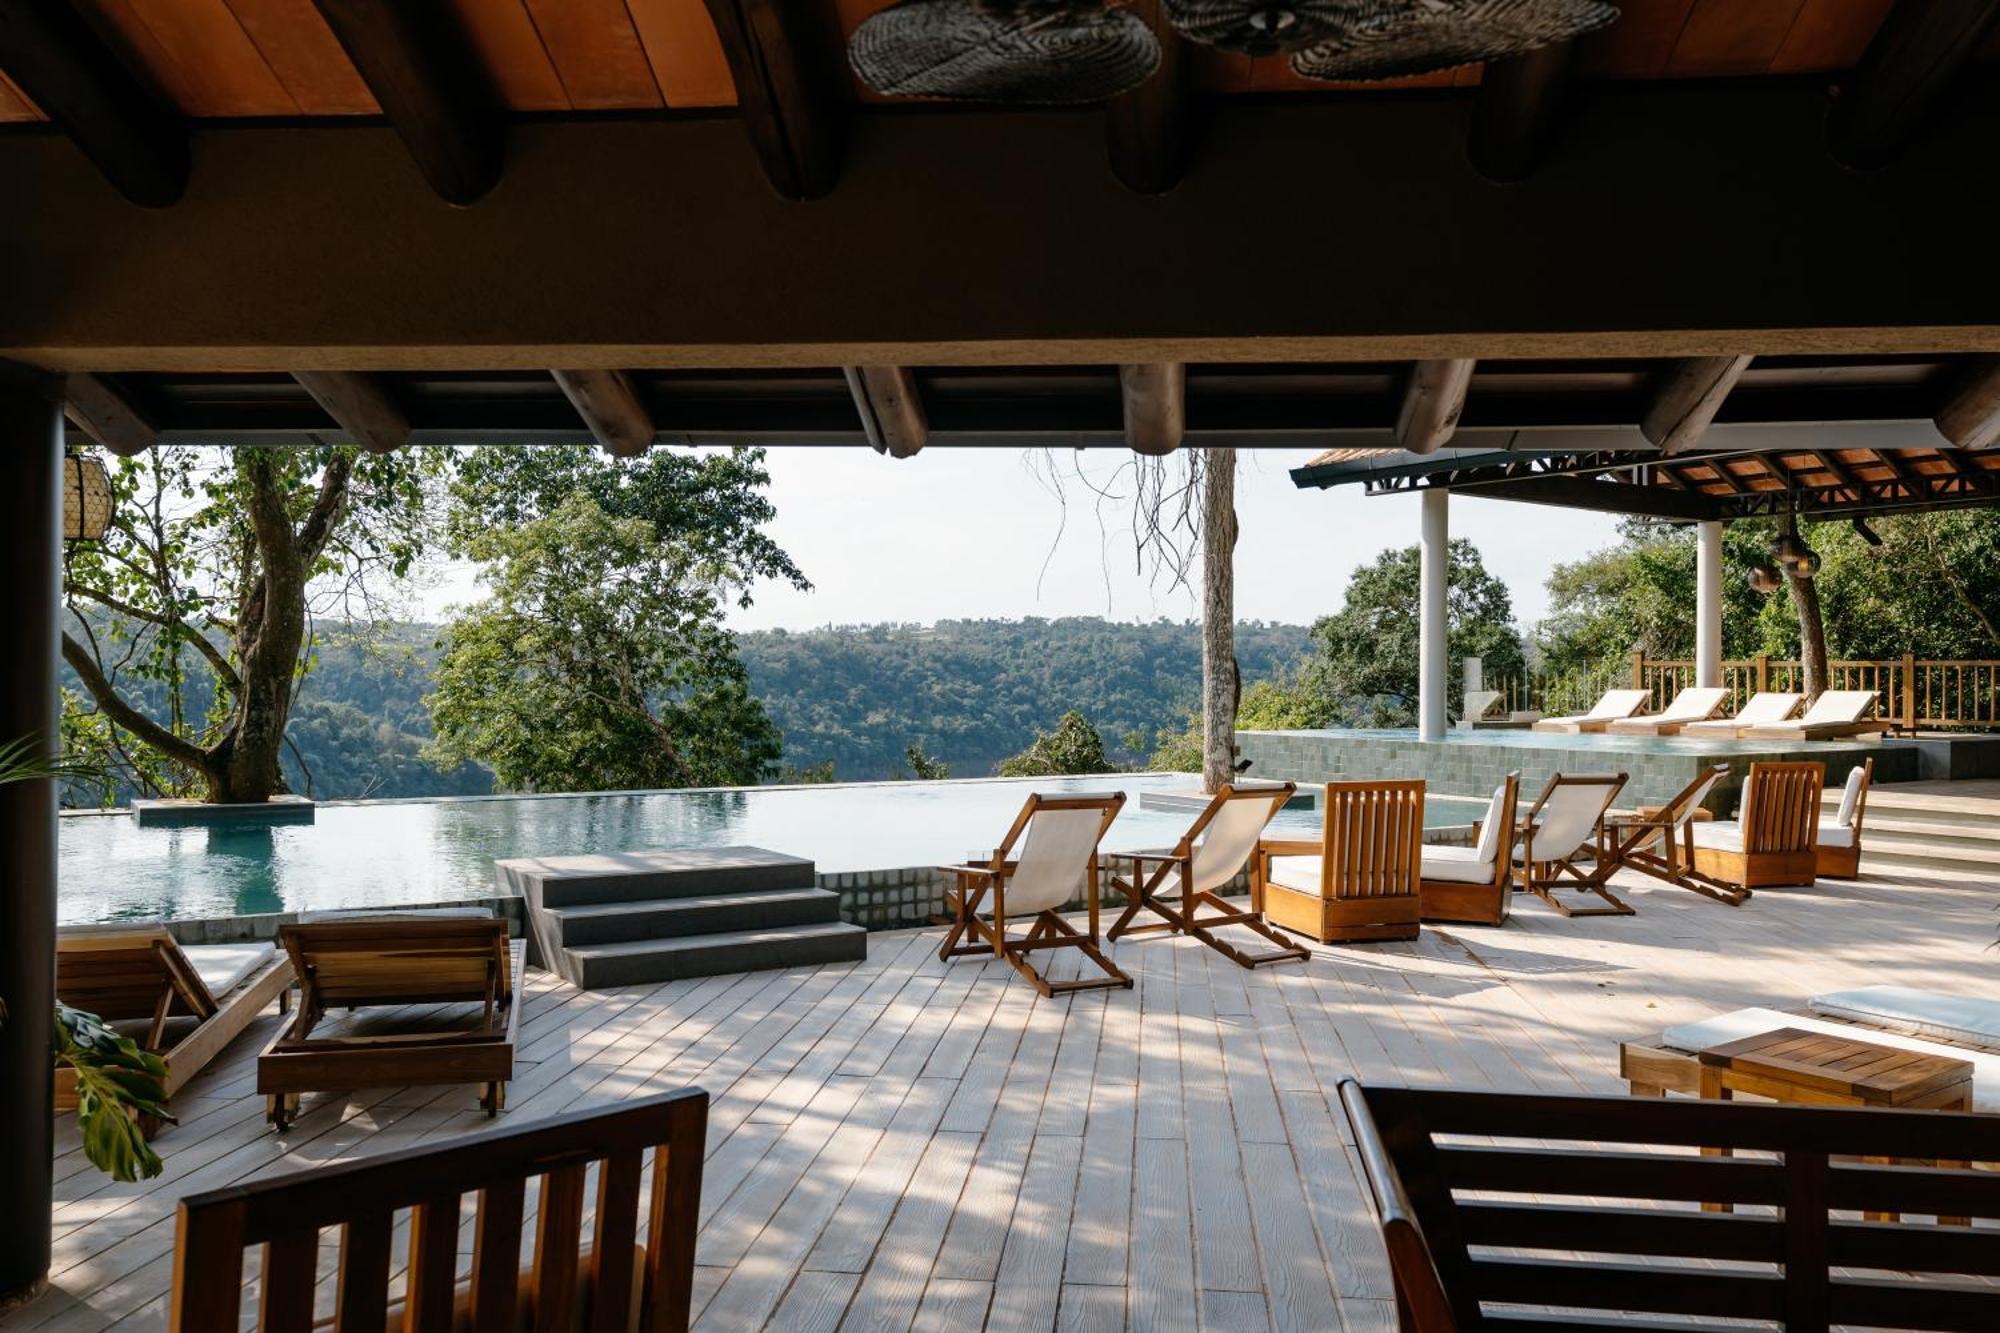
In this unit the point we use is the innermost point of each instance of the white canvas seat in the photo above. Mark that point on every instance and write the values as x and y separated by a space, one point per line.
1768 706
1695 704
1565 821
1460 865
1724 835
1966 1019
1614 705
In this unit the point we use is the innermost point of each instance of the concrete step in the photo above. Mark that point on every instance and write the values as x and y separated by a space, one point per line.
1891 828
642 962
673 918
630 877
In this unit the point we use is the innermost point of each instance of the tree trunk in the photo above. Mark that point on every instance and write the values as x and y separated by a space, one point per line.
270 629
1220 685
1812 635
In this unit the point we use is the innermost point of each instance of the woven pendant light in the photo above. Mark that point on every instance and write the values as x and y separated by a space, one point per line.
1047 53
1260 27
86 498
1402 37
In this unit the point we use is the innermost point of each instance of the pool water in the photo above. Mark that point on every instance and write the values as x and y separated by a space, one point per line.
1525 738
379 853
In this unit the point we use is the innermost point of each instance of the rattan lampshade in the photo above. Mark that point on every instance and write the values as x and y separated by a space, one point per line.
86 498
1393 38
1050 54
1260 27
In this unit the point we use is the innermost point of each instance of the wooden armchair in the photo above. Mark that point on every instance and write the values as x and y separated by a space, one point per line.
1474 884
617 1284
1775 837
1359 880
1839 844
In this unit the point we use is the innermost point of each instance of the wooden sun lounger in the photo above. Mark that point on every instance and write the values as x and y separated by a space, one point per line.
1614 705
1695 704
1768 706
129 975
397 959
1835 715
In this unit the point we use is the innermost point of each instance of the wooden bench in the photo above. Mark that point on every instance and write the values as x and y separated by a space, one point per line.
1539 1212
649 1285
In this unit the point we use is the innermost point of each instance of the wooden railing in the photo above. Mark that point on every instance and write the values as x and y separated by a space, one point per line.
1916 694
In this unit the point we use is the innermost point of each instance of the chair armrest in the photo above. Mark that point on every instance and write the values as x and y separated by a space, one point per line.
1290 846
969 870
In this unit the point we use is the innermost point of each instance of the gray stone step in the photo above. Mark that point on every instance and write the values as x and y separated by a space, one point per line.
672 918
642 962
627 877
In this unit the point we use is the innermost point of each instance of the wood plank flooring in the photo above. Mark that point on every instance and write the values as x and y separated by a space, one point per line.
904 1143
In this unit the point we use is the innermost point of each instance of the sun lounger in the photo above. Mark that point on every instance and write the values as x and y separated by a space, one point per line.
184 1003
1833 716
443 987
1058 837
1614 705
1178 885
1769 706
1839 849
1358 880
1564 823
1772 840
1474 884
1697 704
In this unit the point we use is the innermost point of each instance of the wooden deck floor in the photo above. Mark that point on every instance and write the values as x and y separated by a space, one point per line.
902 1143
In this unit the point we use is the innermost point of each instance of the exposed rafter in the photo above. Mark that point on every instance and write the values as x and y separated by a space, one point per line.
1687 398
890 407
359 406
1917 52
421 70
1145 130
55 57
103 411
1971 419
1155 398
785 96
1615 497
611 407
1516 110
1433 399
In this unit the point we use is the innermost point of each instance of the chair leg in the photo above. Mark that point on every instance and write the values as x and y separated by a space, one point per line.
1203 929
1052 932
1141 895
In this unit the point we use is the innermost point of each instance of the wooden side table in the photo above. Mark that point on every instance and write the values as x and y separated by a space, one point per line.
1794 1065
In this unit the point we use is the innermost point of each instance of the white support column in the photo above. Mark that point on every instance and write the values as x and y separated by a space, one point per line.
1433 583
1708 604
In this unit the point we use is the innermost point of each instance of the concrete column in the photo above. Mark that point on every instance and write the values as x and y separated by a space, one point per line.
30 558
1433 583
1708 603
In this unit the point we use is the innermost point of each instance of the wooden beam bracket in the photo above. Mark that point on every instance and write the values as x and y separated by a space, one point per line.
1971 419
610 405
890 407
360 406
1433 400
1516 112
1155 399
1687 398
1921 47
103 411
785 96
1145 130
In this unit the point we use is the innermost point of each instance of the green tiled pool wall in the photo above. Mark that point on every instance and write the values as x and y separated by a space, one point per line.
1469 768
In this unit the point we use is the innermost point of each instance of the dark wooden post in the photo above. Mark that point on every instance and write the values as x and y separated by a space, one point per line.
30 509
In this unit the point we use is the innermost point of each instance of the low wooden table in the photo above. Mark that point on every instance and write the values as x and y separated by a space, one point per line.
1793 1065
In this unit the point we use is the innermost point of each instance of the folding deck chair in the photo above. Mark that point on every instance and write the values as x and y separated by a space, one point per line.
1358 881
1564 823
1614 705
1775 837
1659 840
1696 704
1190 877
1769 706
1058 837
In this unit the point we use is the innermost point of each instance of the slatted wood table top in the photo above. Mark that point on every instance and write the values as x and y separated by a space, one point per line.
1843 1068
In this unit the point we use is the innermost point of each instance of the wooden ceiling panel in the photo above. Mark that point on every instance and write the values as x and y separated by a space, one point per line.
1214 71
15 104
303 52
197 53
513 55
1830 35
597 53
1640 44
1730 37
684 52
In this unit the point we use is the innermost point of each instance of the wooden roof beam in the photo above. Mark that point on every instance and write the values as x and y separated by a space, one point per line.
58 60
101 410
1615 497
1687 398
786 98
418 65
1145 130
610 405
1516 111
1433 399
1916 53
1971 419
358 405
1155 398
890 407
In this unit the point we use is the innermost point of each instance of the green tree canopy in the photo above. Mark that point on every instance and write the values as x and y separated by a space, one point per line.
1073 747
598 661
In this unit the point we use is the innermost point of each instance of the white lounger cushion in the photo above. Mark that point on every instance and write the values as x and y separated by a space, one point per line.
1834 835
1742 1023
224 967
1459 865
1300 873
1850 797
1921 1013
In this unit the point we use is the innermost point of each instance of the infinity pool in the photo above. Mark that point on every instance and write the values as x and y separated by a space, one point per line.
376 853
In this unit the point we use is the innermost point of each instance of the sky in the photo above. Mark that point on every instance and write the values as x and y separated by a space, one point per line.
967 533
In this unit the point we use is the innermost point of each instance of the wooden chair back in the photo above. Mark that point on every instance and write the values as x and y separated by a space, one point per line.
1593 1205
400 959
1058 837
1223 837
1867 779
614 1284
1781 808
1373 840
1840 706
1565 817
130 973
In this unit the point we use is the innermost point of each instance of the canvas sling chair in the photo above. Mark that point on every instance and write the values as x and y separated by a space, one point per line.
1057 837
1659 840
1560 829
1180 884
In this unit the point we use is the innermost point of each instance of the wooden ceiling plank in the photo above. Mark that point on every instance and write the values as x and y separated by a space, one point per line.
1829 35
417 64
1919 50
1515 112
1433 399
891 409
305 56
1639 45
1723 37
104 412
597 51
1971 418
785 95
684 52
16 105
1145 130
360 406
56 58
1687 398
201 55
610 405
1155 400
511 53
